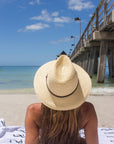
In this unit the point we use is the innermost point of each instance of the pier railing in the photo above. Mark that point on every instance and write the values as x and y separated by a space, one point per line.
101 17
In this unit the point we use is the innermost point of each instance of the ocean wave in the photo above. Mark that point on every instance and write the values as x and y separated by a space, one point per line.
102 91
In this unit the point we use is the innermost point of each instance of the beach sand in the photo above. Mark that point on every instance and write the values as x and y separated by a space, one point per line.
13 108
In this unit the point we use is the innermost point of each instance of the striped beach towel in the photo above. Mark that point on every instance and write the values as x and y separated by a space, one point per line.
16 134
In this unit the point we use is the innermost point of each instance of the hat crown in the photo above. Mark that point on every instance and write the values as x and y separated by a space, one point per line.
62 77
61 84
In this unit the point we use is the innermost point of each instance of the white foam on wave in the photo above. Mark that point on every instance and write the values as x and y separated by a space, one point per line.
102 91
94 91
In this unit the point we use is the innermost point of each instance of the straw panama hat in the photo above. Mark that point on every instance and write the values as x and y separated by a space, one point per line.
61 84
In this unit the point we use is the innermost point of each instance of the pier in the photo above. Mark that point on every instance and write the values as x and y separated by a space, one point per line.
96 44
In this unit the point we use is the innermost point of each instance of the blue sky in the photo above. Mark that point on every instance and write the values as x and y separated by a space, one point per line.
33 32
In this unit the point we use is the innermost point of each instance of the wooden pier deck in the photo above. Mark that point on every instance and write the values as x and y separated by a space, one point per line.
97 42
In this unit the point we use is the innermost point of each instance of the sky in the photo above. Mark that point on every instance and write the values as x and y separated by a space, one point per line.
33 32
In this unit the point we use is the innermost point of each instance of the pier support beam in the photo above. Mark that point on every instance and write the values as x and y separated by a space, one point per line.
86 55
81 61
96 64
102 61
88 63
78 61
91 61
111 62
74 60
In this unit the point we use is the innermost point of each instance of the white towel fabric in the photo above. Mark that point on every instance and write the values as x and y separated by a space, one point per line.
2 122
16 134
106 135
11 134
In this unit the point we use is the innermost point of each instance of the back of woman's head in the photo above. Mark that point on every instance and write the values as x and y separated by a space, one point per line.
62 86
59 127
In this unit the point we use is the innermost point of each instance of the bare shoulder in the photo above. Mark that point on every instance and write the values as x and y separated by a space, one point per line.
34 108
87 111
34 111
32 123
87 107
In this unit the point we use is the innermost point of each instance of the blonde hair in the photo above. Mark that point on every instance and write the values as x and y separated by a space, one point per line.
59 127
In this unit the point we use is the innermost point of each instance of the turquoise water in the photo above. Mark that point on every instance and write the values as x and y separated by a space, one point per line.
17 77
21 77
108 82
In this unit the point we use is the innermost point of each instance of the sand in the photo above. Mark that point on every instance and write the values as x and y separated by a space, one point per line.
13 108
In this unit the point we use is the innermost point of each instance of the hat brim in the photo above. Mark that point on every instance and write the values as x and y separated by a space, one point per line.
67 103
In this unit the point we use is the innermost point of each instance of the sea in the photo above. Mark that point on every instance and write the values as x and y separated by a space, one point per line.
19 79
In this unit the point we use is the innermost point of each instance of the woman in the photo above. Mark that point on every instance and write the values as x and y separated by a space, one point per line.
62 87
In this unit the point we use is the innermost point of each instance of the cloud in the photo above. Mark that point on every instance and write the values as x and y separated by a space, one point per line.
54 17
21 7
55 14
80 5
34 27
59 25
48 18
33 2
62 19
45 16
66 39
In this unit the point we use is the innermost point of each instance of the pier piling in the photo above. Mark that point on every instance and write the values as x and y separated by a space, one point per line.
102 61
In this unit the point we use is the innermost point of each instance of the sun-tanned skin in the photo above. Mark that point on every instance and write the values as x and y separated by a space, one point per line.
88 122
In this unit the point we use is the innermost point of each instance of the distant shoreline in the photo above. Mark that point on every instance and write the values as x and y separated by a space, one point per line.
17 91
